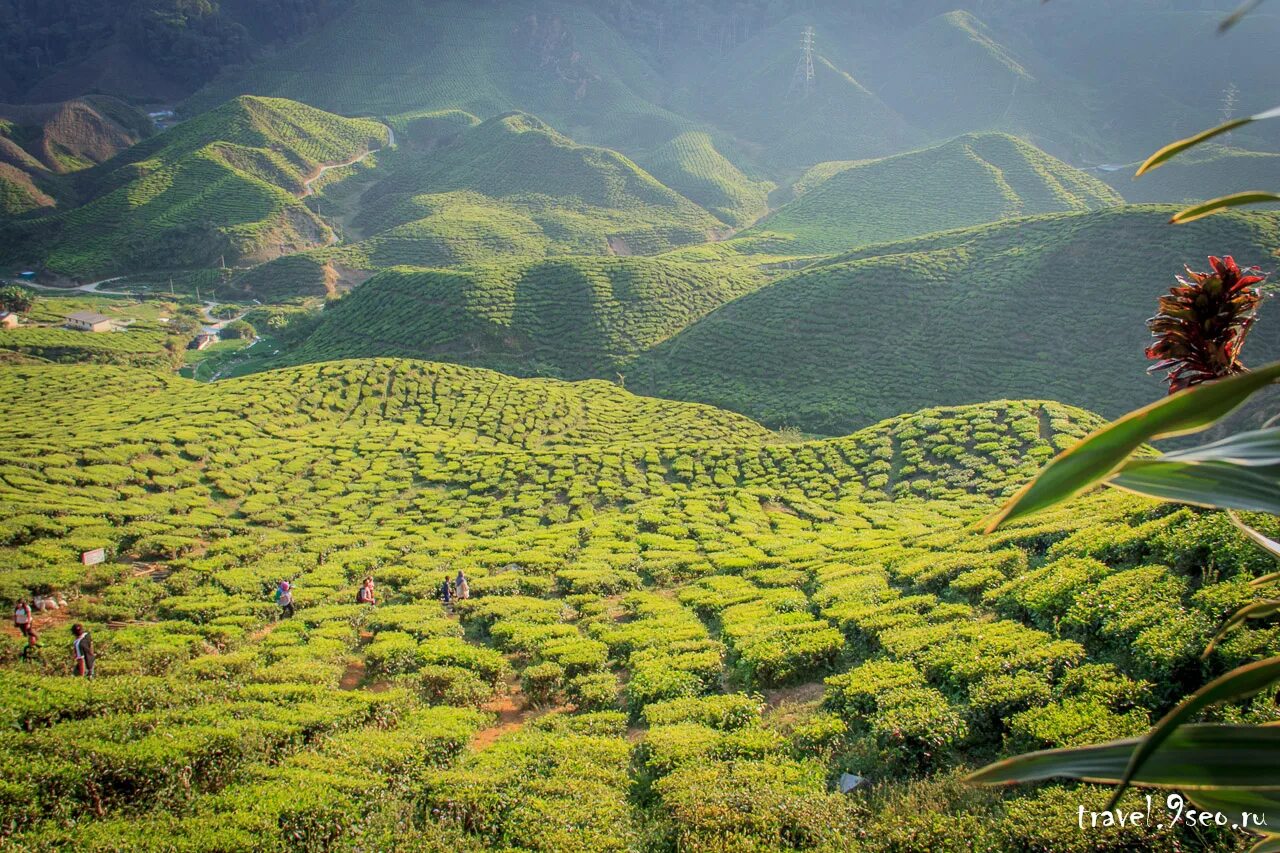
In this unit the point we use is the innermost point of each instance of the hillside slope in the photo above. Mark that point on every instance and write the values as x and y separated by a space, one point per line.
226 184
582 197
570 317
1051 306
459 191
1207 171
753 92
42 142
970 180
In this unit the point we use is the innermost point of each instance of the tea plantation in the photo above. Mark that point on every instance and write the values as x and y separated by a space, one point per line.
982 177
224 186
960 317
686 625
569 317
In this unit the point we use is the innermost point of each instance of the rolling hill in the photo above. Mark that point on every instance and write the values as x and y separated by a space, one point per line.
567 317
41 143
227 183
970 180
1052 305
584 198
1205 172
459 191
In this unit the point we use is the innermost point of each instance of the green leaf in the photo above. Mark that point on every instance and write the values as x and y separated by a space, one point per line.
1226 202
1220 485
1236 684
1238 472
1209 757
1265 543
1257 448
1270 844
1099 455
1173 149
1257 610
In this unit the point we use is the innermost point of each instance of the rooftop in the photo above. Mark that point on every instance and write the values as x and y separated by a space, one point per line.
89 317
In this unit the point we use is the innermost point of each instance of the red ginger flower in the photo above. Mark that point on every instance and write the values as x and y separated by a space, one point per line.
1203 323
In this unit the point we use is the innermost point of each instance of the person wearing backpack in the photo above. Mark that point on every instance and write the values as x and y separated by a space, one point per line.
82 649
22 617
365 594
284 598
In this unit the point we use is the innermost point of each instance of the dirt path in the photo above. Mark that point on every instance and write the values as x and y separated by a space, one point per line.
512 713
307 188
354 675
798 695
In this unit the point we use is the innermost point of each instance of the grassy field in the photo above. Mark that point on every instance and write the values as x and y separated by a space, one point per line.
986 313
703 608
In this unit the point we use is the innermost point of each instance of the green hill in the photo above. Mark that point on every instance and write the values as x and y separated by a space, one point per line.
585 199
970 180
692 164
1205 172
571 317
1052 305
41 143
456 192
226 184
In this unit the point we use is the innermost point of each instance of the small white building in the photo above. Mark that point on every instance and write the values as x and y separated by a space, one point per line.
88 321
8 320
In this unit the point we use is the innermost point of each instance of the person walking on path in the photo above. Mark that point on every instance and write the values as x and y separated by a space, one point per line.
82 649
22 617
464 588
446 592
284 598
365 594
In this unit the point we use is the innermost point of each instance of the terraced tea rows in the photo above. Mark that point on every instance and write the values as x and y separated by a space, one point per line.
528 317
986 313
636 567
971 180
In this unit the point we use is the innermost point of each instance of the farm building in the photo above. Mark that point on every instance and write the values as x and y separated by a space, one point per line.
202 340
88 321
8 320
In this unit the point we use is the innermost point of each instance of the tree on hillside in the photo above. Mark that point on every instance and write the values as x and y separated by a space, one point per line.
16 299
239 329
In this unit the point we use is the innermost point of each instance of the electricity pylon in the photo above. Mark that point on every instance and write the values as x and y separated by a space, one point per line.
803 80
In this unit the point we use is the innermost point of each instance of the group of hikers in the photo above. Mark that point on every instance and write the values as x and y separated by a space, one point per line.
81 645
450 590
